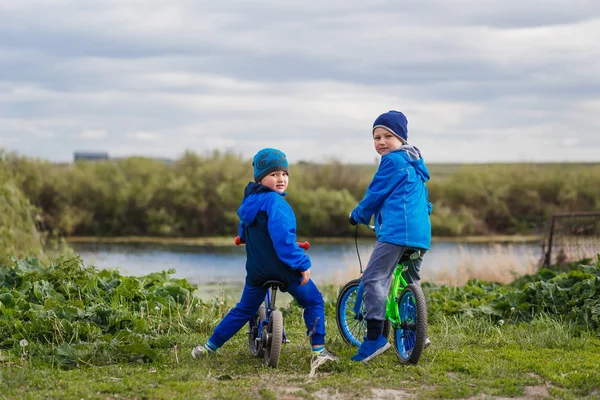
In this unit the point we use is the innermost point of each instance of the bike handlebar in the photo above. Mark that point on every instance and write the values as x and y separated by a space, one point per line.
303 245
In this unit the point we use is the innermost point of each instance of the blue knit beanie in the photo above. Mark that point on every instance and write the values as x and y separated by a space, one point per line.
395 122
267 161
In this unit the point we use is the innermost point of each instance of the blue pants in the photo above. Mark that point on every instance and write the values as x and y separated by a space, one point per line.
308 296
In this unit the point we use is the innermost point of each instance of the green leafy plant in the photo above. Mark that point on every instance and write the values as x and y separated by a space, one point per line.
91 316
572 296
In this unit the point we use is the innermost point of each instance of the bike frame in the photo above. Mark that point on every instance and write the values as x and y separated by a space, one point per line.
391 306
269 299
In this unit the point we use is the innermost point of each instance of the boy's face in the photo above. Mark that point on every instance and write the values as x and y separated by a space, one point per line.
385 141
278 181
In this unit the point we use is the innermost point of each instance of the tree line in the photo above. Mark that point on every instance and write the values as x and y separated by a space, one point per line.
198 195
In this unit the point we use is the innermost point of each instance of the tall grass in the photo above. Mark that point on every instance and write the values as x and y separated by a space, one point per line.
566 248
18 234
497 263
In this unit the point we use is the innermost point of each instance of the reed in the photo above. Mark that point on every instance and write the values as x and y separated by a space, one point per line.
497 263
568 248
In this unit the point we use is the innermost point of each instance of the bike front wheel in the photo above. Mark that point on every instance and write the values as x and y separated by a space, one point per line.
274 338
411 333
353 326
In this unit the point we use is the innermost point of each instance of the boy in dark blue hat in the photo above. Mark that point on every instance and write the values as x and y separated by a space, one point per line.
268 227
398 199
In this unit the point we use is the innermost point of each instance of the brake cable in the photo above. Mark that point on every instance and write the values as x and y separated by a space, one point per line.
357 252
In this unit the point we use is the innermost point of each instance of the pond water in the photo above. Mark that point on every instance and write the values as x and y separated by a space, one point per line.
446 262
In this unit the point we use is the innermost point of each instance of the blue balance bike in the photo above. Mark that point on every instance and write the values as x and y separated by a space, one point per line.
266 334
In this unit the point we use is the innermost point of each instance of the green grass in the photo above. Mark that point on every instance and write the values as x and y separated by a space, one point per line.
68 332
469 357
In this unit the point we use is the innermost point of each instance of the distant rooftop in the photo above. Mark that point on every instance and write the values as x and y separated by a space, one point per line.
103 156
90 155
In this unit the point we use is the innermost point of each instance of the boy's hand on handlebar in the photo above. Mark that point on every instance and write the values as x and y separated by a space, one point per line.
305 277
352 220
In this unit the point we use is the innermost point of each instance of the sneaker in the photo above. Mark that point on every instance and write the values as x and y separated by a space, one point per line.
371 348
320 359
427 342
201 351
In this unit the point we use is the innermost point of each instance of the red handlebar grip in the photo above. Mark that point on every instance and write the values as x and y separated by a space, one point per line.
303 245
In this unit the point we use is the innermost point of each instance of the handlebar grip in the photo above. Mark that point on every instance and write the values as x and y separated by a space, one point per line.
303 245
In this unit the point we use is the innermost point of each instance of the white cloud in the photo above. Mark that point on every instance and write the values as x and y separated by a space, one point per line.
93 134
570 142
44 134
144 136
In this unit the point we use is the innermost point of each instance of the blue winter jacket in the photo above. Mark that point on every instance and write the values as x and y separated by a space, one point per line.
268 226
399 200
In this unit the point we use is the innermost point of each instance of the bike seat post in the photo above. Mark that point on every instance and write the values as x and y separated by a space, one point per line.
273 286
273 296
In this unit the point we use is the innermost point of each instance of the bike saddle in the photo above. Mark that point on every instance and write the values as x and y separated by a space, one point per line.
275 285
411 254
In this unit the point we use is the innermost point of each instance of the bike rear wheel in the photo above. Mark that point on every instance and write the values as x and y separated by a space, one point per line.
353 327
274 338
256 348
409 337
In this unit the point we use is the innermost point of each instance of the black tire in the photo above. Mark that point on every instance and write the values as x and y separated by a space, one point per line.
409 339
353 328
255 346
274 339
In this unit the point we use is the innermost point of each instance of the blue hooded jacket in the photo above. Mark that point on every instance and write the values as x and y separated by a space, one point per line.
268 227
398 198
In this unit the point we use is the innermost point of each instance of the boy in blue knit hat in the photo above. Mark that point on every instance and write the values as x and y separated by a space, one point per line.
268 227
398 199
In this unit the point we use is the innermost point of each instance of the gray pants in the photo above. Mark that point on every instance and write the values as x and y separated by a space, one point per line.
377 277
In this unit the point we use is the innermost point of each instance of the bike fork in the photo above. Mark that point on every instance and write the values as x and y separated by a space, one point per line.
359 298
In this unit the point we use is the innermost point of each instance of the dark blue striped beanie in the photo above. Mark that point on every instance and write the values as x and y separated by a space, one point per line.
267 161
395 122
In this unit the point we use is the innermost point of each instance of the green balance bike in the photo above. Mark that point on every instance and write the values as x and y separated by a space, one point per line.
405 313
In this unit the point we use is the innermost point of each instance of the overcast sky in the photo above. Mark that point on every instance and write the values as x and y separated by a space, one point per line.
480 81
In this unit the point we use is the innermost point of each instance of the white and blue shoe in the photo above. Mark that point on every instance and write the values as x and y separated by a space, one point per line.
203 351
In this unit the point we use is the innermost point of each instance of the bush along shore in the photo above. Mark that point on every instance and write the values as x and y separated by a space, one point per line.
71 331
198 195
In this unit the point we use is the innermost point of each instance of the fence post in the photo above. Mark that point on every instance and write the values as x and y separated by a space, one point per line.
548 258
